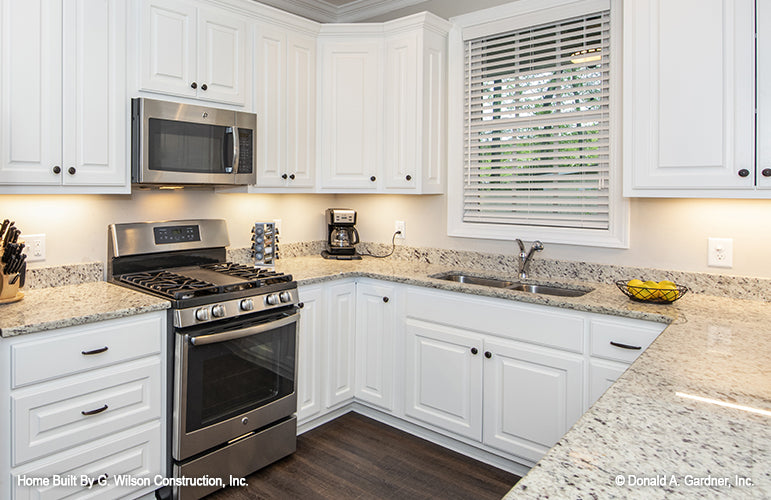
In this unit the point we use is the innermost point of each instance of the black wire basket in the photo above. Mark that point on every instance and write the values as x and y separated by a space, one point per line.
652 295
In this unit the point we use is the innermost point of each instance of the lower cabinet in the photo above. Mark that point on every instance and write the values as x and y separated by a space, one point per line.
507 377
95 407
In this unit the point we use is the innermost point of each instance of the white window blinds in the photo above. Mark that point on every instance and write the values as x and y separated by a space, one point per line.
537 123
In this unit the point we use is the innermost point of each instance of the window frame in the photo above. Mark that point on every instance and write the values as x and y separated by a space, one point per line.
510 17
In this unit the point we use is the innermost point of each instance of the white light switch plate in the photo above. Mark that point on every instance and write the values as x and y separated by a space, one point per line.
720 252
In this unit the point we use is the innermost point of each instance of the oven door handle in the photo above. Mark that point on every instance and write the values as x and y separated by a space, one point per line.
244 332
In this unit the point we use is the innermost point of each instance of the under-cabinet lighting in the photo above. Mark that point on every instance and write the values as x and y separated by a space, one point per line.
170 188
724 403
585 56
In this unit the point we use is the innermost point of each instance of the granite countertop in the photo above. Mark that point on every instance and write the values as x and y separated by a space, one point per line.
641 431
51 308
641 439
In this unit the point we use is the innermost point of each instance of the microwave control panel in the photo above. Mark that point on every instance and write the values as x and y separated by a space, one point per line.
245 150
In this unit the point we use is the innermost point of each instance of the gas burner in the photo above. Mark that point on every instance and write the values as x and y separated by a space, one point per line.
170 284
260 275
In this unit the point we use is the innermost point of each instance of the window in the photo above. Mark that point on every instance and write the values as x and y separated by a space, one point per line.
538 139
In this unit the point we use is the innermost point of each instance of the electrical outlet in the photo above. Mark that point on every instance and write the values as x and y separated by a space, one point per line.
400 226
34 246
720 252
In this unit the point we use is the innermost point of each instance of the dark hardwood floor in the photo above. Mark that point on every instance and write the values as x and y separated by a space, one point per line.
355 457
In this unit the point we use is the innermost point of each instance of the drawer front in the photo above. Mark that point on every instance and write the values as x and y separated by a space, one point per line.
629 338
134 455
82 348
79 409
544 325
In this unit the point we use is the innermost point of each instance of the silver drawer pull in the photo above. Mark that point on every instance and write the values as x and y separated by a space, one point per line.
95 351
625 346
94 412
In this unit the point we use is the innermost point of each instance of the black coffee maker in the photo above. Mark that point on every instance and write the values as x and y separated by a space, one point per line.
342 236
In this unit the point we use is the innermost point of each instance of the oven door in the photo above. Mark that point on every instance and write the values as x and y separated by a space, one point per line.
230 381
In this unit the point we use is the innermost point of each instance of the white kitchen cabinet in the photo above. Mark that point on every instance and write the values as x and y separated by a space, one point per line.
311 330
532 396
340 322
602 374
96 406
689 98
285 74
415 107
64 106
443 377
351 110
763 61
189 49
376 321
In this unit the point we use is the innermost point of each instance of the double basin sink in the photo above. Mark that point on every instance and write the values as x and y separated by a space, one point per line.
470 279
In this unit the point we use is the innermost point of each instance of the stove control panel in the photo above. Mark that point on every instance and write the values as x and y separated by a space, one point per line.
232 308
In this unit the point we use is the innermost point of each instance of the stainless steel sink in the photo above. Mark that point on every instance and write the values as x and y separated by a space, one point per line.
476 280
549 290
460 277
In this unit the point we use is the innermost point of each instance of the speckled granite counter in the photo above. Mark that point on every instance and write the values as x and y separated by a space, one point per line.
641 432
50 308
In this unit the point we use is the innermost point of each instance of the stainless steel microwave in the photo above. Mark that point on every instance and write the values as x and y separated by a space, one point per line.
184 144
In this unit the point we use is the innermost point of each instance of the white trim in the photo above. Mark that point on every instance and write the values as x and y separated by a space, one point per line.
548 10
326 12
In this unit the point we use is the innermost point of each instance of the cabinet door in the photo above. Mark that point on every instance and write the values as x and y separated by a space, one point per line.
270 79
301 110
532 397
309 352
602 374
30 91
374 346
434 106
95 103
341 328
688 97
763 58
402 144
351 111
221 57
443 377
168 47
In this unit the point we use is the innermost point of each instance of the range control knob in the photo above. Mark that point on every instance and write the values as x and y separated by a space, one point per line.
247 305
202 314
272 299
218 311
285 297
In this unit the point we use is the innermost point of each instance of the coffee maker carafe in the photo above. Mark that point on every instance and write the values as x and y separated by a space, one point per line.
342 236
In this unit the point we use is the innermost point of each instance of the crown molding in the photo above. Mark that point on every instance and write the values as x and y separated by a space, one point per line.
352 11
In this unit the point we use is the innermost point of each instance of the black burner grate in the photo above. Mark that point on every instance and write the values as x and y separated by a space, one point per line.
261 275
170 284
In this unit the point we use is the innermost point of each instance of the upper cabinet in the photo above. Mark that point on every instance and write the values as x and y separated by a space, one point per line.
689 99
63 106
383 105
763 61
190 50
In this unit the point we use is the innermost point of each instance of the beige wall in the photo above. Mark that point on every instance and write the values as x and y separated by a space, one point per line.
667 234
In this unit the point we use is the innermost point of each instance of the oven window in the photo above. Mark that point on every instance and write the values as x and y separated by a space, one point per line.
176 146
229 378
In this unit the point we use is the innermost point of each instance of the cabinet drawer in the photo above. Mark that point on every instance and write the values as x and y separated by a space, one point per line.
56 416
544 325
631 337
79 349
135 454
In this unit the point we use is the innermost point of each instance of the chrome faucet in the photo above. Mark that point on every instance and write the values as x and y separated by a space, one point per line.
526 257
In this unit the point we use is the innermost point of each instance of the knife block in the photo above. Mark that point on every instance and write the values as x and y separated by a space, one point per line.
8 291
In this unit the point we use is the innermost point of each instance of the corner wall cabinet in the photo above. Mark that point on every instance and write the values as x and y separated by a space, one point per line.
501 376
85 400
188 49
689 99
382 106
63 104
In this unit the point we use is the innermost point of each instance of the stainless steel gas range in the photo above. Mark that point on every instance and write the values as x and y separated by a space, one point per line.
232 345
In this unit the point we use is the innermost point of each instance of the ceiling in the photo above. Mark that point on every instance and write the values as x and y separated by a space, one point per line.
340 11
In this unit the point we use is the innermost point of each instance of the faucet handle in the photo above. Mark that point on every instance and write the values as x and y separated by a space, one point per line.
521 245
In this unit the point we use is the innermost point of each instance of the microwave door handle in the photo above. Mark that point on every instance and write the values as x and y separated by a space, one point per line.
236 149
243 332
